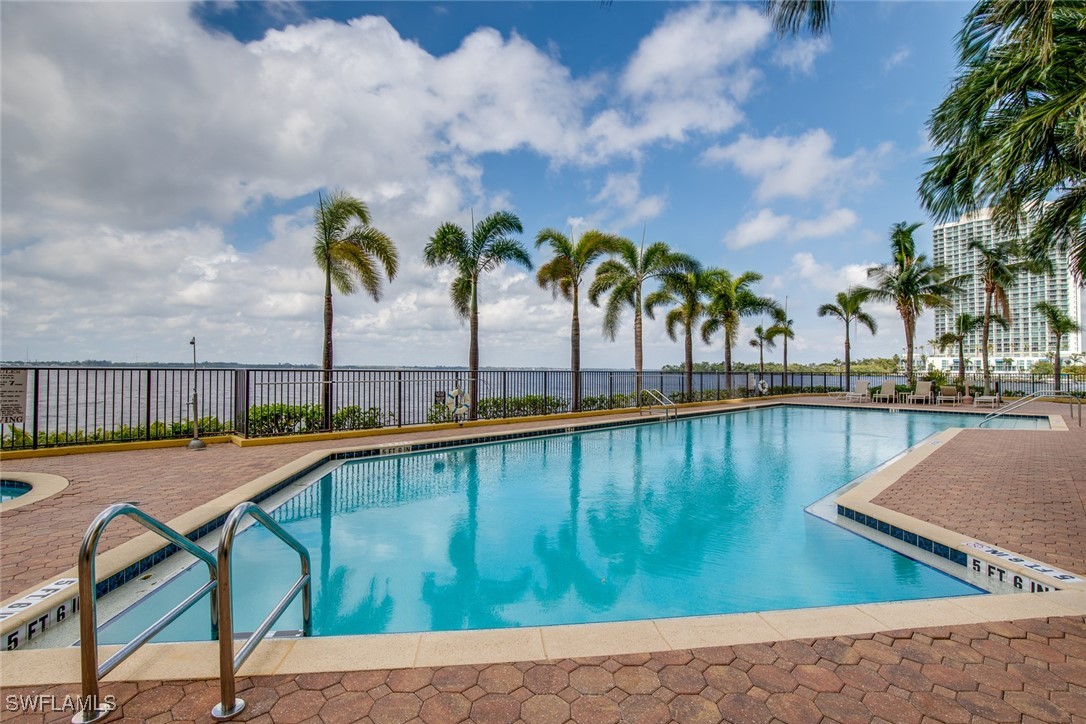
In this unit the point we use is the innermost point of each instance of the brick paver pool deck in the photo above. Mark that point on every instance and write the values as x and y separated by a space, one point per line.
1022 490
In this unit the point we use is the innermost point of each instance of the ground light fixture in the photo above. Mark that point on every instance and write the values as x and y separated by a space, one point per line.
195 443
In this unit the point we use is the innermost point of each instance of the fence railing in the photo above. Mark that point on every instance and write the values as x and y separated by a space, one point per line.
80 405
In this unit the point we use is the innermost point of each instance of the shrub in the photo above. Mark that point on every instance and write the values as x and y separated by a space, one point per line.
493 408
280 419
439 413
355 418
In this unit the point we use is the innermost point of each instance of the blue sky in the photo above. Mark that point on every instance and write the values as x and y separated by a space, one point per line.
160 163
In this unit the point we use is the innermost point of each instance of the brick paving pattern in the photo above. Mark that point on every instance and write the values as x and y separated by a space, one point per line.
1022 671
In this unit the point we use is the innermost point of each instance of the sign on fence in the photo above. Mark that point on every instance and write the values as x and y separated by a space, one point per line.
12 396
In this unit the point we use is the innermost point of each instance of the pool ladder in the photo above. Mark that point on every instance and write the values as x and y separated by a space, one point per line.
221 600
656 397
1035 396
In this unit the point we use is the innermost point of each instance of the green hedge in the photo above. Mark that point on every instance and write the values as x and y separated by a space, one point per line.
12 437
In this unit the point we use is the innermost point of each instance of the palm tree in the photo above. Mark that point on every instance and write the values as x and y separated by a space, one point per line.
351 253
761 340
1009 131
911 284
564 273
489 246
624 275
782 327
685 292
1060 324
964 325
849 307
999 274
731 299
791 16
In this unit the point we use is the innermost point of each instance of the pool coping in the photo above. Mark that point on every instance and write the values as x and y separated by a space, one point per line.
42 485
501 642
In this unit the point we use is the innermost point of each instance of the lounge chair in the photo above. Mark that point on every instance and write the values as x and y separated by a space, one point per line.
887 392
948 393
922 393
860 394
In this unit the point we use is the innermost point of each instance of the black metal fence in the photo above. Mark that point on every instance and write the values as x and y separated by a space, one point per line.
80 405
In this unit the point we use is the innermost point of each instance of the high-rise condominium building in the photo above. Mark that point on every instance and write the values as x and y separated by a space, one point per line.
1028 339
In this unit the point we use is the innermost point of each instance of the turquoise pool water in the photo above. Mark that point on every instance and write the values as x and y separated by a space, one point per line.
11 489
699 516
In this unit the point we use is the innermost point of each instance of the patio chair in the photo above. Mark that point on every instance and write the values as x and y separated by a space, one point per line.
922 393
887 392
948 393
860 394
990 400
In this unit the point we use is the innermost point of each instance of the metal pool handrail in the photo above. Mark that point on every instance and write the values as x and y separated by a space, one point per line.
664 401
94 708
1030 398
230 705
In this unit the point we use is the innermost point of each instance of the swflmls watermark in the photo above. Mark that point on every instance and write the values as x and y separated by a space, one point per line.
46 703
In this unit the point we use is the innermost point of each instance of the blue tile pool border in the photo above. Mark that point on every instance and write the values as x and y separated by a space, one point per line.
905 536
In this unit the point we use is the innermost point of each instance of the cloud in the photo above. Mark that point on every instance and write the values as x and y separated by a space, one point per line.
767 226
799 56
896 58
621 197
687 76
798 166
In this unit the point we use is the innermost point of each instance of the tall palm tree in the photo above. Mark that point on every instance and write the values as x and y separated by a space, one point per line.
964 325
731 299
563 275
624 275
1009 131
1060 324
761 340
911 284
489 246
352 255
849 307
999 272
685 293
782 327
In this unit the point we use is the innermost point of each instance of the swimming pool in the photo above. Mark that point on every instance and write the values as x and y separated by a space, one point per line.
12 489
698 516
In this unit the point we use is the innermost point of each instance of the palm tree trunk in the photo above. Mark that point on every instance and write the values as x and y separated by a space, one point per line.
961 364
326 358
473 351
728 364
848 360
1056 367
784 380
761 360
637 346
689 349
575 353
910 330
984 341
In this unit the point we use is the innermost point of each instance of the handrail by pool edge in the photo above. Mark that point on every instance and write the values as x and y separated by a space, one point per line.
1035 396
229 704
94 708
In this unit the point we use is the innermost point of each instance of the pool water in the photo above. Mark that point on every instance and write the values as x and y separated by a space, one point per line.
11 489
699 516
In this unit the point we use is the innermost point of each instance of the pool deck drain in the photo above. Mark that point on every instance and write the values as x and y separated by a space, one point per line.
1003 487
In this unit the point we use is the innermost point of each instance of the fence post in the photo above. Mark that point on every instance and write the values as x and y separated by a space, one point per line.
610 389
505 397
147 406
37 394
546 411
241 401
399 398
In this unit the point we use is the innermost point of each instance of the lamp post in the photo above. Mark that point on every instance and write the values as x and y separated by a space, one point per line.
195 443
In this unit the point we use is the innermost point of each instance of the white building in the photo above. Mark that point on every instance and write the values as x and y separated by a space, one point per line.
1027 340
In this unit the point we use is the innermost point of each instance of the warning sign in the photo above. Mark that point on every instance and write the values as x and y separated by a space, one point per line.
12 396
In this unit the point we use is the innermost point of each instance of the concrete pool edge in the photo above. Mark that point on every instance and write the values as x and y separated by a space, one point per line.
42 486
180 661
124 556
